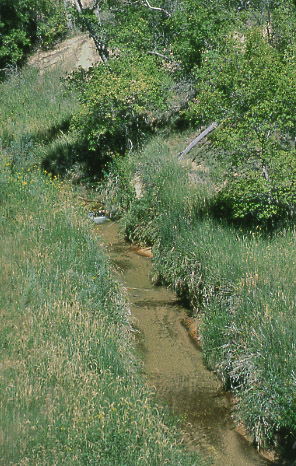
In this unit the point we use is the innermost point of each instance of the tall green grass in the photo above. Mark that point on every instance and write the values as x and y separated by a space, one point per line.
34 104
35 114
71 392
242 283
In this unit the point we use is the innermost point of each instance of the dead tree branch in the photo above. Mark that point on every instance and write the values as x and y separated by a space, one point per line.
207 131
165 57
157 8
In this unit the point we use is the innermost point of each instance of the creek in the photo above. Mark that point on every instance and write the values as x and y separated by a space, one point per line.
173 364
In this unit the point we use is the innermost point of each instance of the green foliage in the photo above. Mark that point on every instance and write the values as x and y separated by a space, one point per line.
252 198
119 103
24 22
282 34
135 27
196 27
244 79
52 24
14 32
250 89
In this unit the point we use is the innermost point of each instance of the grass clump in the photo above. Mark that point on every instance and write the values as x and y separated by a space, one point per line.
35 116
70 383
34 104
242 283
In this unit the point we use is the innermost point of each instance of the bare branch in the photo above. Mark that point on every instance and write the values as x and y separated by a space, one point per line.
156 8
165 57
197 139
96 10
78 6
265 173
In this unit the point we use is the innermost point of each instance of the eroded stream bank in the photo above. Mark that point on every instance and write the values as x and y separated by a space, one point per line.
173 364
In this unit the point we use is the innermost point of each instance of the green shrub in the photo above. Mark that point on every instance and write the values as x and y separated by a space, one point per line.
249 88
23 23
252 199
119 103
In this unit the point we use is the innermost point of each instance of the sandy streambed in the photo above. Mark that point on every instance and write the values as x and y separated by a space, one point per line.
173 363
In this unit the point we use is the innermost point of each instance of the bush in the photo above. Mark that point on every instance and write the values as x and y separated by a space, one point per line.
120 102
23 23
249 88
250 198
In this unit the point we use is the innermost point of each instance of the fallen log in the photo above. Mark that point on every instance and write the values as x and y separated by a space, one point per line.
195 141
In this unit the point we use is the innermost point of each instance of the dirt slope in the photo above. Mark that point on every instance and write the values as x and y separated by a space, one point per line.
71 53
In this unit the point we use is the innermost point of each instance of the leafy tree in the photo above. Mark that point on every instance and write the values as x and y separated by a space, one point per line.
124 95
15 24
195 27
25 22
283 30
139 25
52 21
250 89
119 102
147 40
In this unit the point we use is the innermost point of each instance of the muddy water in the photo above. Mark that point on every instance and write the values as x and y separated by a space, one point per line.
173 363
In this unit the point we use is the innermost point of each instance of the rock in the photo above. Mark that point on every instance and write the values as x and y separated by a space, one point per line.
98 217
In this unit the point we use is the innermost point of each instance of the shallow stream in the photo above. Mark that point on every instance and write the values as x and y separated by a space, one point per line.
173 362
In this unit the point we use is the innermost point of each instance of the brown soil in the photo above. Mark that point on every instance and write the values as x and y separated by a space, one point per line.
69 54
192 329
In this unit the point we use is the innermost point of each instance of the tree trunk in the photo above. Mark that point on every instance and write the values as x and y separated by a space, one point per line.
101 46
68 16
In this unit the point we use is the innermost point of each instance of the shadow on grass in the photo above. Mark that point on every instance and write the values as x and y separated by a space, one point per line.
286 450
67 156
41 136
48 135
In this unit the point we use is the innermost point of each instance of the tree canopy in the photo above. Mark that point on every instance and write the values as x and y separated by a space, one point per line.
23 23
